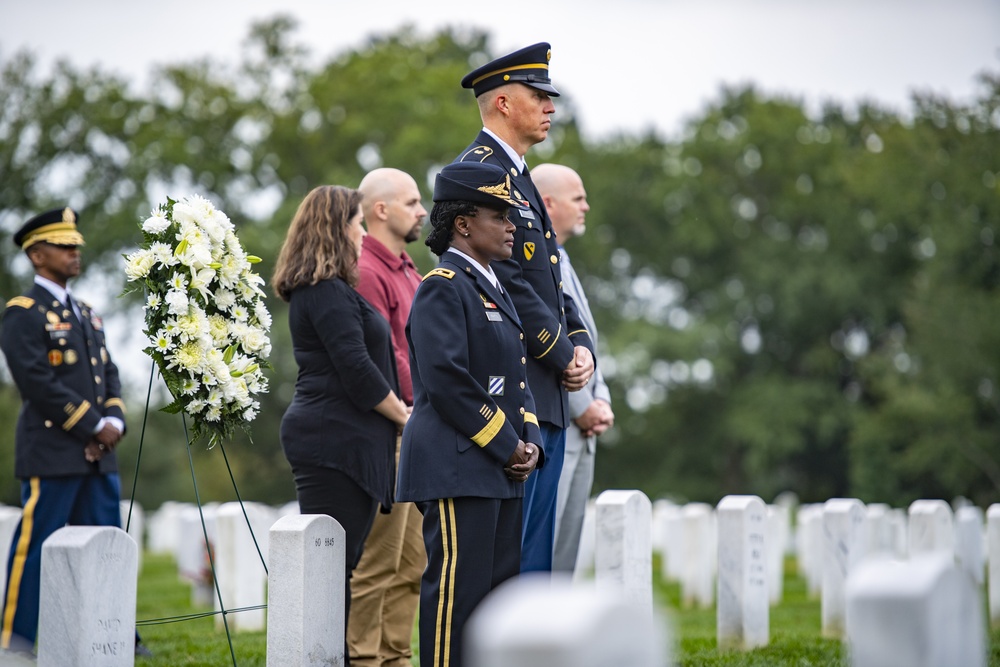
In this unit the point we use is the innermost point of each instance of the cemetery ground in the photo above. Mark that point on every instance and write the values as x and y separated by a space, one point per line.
795 639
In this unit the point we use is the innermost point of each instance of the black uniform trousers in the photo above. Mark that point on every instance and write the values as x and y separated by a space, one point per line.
473 545
49 504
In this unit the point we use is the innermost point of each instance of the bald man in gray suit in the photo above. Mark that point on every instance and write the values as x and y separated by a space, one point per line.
590 408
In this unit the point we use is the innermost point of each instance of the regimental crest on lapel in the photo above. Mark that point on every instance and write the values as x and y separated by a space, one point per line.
529 250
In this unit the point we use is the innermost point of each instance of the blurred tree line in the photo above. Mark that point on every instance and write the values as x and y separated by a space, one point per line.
788 301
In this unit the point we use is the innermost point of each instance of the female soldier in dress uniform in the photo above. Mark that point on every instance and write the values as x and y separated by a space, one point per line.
339 432
471 441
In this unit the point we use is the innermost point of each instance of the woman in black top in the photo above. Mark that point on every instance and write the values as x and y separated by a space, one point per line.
339 432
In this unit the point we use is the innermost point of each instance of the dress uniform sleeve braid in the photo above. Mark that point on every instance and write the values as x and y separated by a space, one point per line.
440 341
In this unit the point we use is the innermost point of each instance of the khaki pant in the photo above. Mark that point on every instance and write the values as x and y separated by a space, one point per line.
385 590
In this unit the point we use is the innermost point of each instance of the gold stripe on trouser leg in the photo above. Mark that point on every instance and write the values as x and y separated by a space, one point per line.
446 584
17 569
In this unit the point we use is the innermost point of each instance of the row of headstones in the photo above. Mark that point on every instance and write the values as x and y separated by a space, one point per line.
87 605
925 610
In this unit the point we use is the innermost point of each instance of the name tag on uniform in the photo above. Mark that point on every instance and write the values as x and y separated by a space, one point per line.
494 316
526 213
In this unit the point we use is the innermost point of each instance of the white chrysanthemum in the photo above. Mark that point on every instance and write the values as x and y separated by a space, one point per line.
195 325
249 414
195 406
157 223
224 299
161 342
215 397
230 271
262 314
190 386
177 302
239 312
213 413
153 301
179 281
218 327
188 357
164 254
139 264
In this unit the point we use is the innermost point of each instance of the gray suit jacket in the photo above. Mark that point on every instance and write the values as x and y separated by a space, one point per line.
579 401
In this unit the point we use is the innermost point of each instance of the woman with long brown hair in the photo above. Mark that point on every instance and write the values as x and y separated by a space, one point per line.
339 432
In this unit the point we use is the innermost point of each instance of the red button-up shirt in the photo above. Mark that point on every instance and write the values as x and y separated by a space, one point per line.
389 282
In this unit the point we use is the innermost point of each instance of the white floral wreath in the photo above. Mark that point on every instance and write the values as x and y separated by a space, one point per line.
206 320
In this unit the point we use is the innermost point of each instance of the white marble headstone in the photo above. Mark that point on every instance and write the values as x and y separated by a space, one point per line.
993 558
699 557
164 527
239 571
742 612
843 549
585 556
778 531
87 600
191 552
931 527
537 621
809 541
923 612
306 612
623 556
969 541
9 518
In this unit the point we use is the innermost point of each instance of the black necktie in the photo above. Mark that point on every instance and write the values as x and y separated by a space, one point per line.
72 309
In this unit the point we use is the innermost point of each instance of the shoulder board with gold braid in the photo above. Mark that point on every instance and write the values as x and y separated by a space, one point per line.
21 302
477 154
444 273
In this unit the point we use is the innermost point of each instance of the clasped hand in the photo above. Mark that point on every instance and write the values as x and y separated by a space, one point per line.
577 373
102 442
522 461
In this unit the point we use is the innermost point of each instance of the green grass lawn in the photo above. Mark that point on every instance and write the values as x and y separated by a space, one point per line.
795 629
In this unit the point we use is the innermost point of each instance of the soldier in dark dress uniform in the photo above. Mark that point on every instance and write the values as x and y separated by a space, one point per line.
514 94
71 419
473 436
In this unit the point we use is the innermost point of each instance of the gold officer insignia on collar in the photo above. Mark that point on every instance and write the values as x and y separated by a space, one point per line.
529 250
444 273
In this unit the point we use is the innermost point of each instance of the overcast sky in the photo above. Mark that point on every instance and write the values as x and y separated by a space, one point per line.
628 64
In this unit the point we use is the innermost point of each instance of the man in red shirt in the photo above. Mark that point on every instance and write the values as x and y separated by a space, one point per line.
385 587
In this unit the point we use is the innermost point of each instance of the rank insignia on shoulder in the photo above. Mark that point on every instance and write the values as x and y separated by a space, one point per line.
479 153
529 250
444 273
21 302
